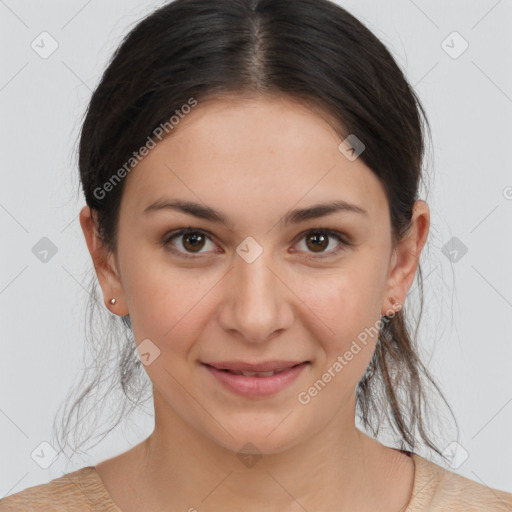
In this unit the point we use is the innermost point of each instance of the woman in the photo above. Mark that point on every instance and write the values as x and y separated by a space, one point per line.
251 173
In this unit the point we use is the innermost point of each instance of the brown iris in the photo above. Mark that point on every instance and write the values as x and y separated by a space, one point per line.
192 241
319 241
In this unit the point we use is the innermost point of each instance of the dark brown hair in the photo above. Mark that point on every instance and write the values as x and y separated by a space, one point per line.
312 50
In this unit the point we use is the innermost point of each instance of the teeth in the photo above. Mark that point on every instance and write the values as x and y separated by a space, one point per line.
252 374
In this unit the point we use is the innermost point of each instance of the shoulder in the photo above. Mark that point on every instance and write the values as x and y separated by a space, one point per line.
81 490
438 489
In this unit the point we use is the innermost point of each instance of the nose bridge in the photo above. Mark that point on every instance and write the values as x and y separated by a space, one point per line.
255 303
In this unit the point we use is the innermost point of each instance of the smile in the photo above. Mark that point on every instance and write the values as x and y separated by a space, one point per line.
256 384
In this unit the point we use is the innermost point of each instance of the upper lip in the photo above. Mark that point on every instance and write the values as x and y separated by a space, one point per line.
243 366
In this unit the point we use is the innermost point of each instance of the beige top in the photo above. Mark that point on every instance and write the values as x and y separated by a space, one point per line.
435 490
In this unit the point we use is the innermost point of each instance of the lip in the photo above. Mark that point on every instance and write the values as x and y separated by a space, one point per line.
265 366
257 387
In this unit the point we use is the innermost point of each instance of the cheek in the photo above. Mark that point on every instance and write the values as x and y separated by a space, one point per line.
166 304
342 309
343 324
343 302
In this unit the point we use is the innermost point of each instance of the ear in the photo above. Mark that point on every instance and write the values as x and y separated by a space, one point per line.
104 264
406 258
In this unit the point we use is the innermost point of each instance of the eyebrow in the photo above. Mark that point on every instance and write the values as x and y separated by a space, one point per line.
292 217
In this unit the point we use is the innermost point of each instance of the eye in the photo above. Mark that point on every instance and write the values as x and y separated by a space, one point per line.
317 240
192 240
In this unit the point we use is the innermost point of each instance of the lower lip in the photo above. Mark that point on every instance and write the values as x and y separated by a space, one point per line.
256 387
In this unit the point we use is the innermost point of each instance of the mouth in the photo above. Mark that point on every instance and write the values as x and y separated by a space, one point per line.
259 383
262 369
256 374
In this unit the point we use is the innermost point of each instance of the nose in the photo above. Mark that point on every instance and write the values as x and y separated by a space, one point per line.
256 304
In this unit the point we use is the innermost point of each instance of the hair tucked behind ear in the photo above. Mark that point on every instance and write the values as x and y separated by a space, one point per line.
312 50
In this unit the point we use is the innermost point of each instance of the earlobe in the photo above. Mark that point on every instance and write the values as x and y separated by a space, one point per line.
113 292
104 265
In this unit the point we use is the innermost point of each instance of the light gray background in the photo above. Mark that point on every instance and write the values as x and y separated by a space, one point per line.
466 333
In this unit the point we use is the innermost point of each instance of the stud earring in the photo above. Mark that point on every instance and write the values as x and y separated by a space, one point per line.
112 300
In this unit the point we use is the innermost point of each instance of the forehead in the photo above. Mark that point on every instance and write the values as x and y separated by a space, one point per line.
264 154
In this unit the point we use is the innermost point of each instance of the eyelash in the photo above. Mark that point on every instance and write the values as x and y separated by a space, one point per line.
344 242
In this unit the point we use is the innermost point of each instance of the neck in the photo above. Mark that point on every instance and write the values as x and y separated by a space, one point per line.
339 468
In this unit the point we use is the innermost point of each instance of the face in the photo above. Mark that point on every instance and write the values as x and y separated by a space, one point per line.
260 279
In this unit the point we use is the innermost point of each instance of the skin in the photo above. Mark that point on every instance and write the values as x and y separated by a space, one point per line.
254 160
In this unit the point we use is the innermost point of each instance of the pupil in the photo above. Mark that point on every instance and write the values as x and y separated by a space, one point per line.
196 240
317 246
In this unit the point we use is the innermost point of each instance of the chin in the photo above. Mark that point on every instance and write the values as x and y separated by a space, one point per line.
271 437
